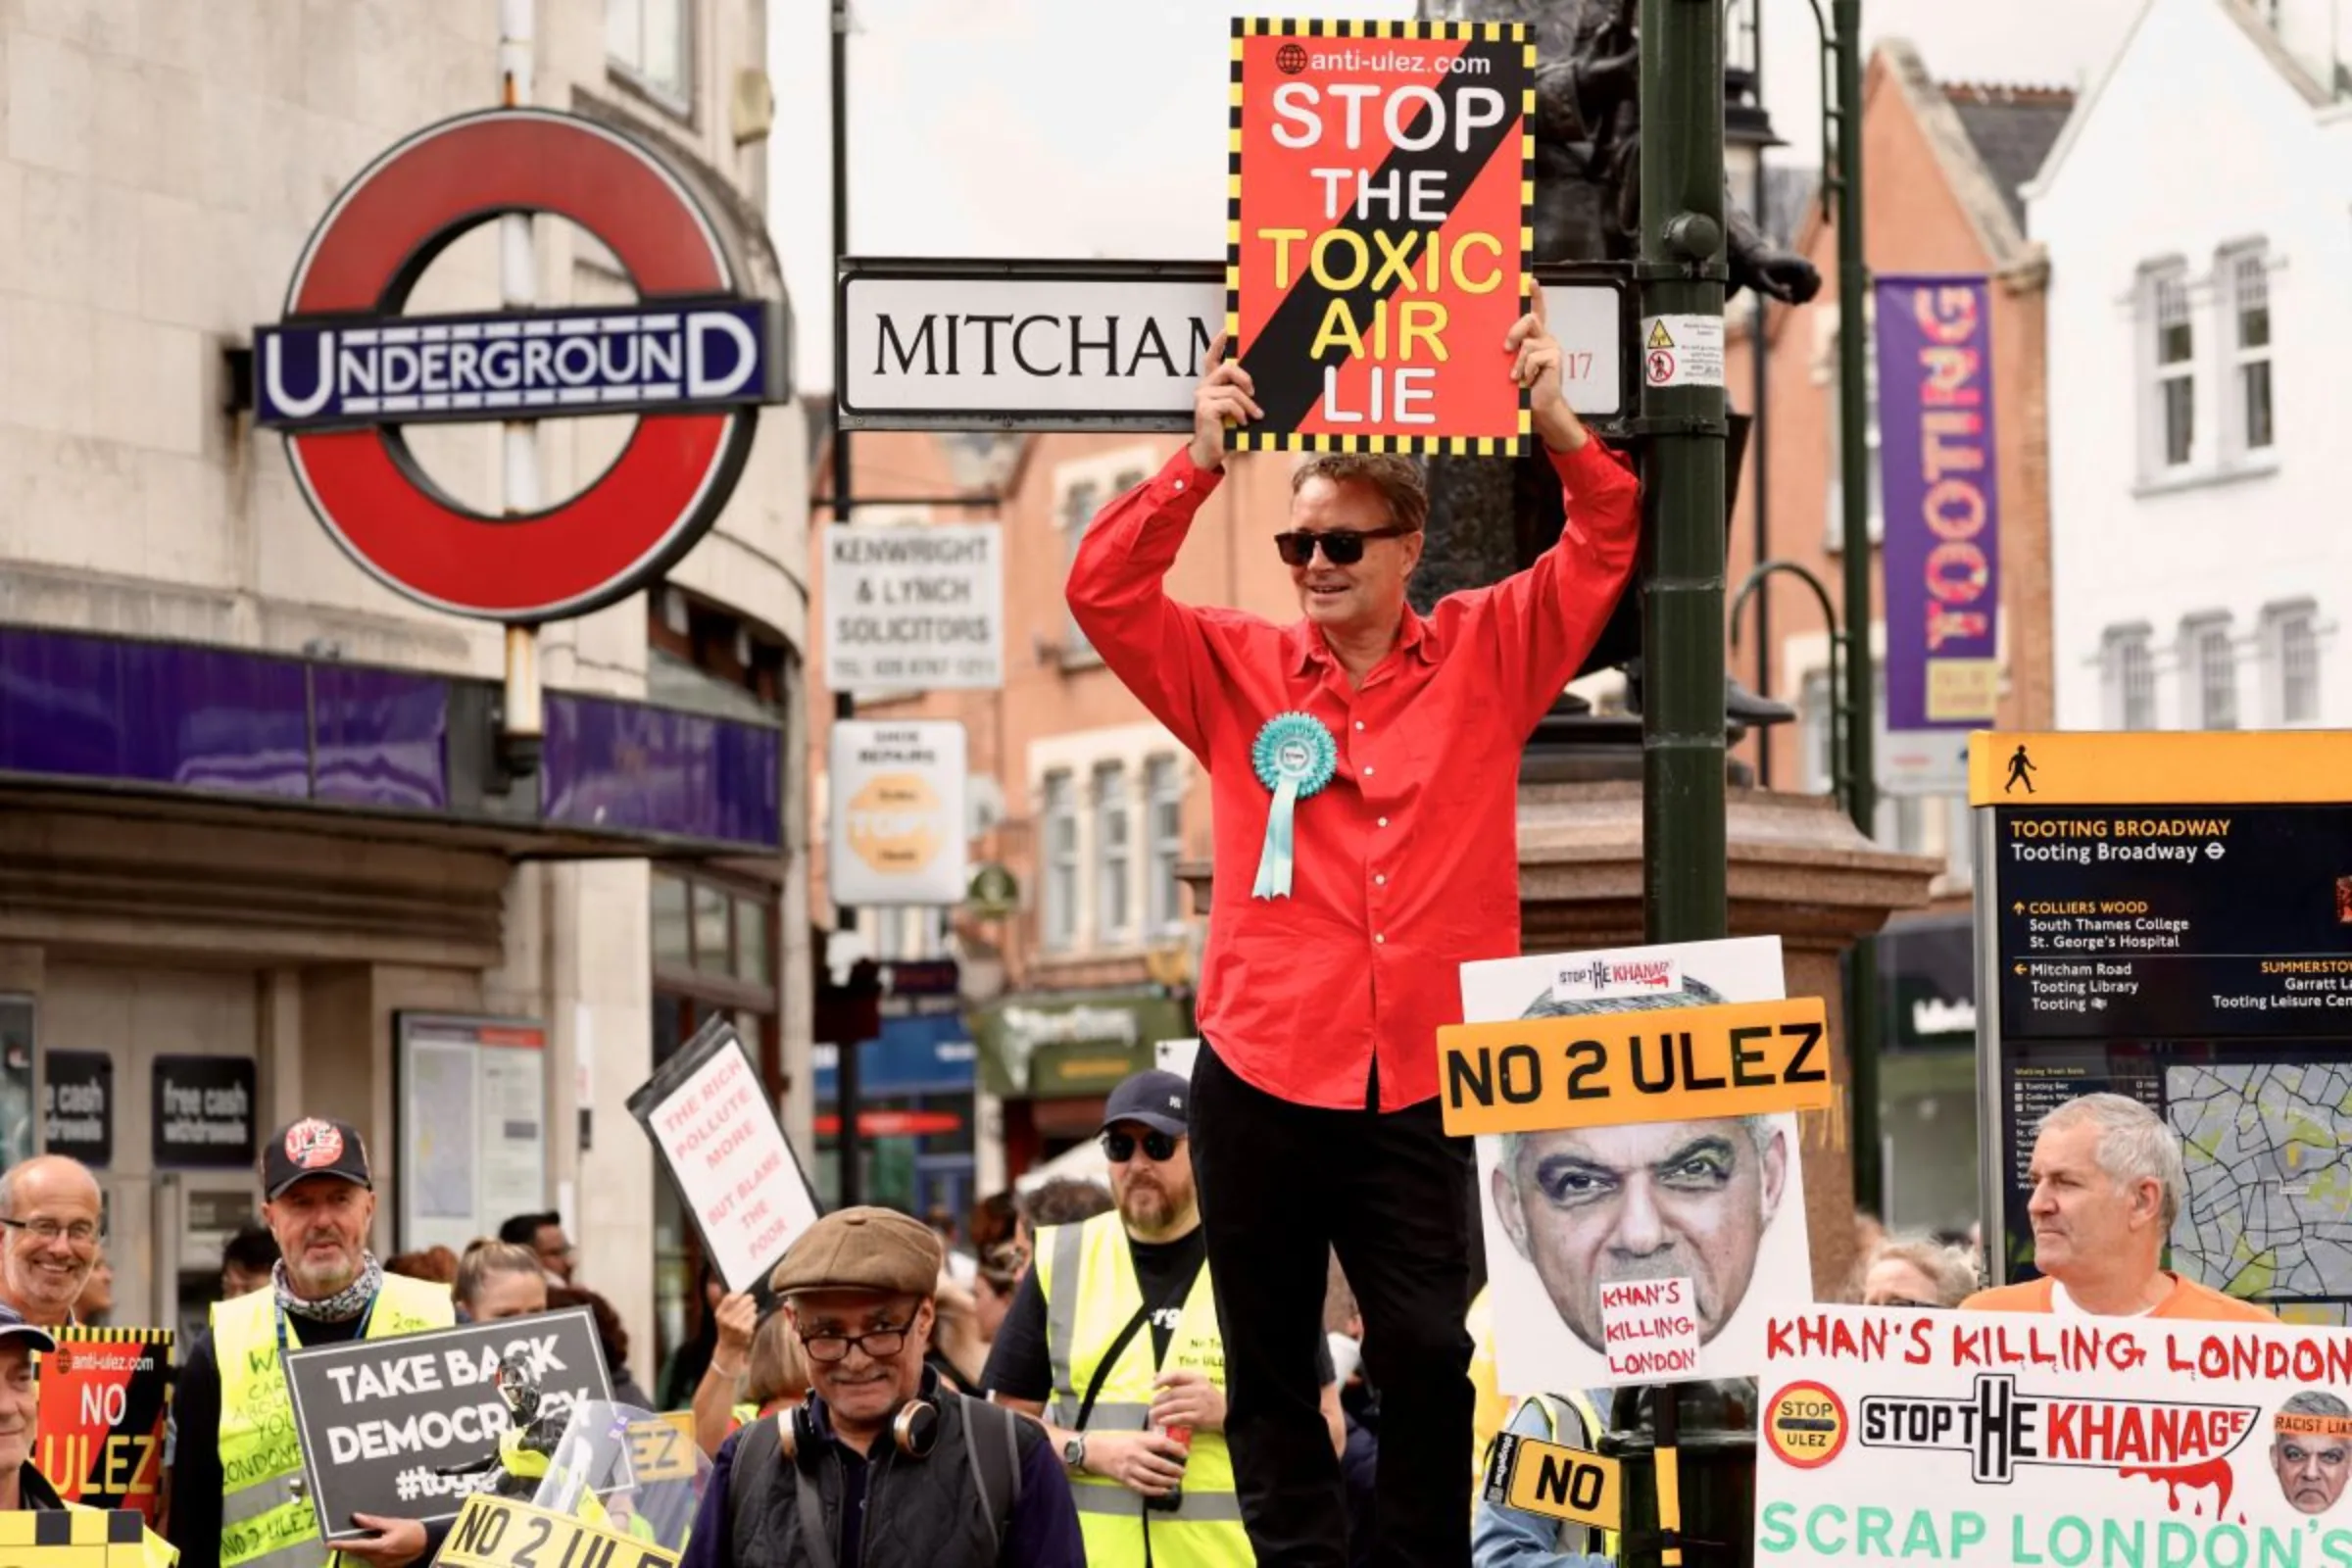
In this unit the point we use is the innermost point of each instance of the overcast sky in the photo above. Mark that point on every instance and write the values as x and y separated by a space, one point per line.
1052 128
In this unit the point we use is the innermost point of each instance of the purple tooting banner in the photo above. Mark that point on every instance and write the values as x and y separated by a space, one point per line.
1942 499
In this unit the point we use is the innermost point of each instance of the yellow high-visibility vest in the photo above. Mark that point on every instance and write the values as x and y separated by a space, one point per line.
264 1523
1087 1275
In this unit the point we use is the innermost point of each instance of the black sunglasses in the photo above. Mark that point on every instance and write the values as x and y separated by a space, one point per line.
1341 547
1120 1147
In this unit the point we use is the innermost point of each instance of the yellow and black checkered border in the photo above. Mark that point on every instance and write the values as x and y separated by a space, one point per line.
1407 446
73 1538
90 1333
1518 32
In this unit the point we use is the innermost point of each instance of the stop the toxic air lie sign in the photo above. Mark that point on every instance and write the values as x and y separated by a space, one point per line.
1376 232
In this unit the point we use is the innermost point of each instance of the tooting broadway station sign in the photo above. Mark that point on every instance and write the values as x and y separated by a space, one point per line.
346 370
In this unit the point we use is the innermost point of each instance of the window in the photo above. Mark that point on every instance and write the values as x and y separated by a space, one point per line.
2292 650
1078 507
2209 665
651 42
1061 862
1114 855
2127 678
1163 799
2171 411
1834 540
2245 279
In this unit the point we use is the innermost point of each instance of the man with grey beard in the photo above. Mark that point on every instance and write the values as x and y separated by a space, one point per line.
236 1463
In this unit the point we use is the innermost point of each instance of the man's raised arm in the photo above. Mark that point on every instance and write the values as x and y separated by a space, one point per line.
1117 591
1542 622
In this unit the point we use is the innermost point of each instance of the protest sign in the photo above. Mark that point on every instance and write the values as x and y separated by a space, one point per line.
920 607
501 1533
96 1538
103 1395
706 1111
1613 1243
1999 1437
1555 1481
380 1420
1377 245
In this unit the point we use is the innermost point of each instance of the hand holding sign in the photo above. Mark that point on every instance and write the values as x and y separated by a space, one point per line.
1224 399
1536 366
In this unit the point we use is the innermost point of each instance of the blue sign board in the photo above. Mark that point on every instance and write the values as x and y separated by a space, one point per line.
662 358
915 1054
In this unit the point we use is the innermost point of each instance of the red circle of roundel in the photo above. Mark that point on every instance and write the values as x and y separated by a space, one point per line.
669 483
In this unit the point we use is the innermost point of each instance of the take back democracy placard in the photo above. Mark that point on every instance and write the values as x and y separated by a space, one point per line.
1996 1437
380 1420
103 1395
1377 247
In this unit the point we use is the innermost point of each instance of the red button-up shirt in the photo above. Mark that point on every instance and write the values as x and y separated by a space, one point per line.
1407 865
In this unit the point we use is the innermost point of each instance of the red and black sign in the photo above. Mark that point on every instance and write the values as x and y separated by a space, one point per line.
103 1393
1377 240
693 357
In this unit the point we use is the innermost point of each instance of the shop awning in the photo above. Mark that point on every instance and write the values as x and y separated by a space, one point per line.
1055 1044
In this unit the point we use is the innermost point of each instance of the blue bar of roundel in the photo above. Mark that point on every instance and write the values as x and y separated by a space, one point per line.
1941 485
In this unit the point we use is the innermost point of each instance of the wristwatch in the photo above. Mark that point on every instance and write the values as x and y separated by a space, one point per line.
1073 1452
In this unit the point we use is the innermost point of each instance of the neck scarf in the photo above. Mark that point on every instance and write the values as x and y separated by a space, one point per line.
342 1306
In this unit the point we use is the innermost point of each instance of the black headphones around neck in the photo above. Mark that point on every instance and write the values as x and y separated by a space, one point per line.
801 1432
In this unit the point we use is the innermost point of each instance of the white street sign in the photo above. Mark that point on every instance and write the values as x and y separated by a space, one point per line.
1096 346
914 609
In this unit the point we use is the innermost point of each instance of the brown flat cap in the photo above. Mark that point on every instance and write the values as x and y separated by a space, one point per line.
862 1250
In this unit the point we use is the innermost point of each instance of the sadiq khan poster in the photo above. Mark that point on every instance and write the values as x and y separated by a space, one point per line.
1638 1175
2000 1438
1377 251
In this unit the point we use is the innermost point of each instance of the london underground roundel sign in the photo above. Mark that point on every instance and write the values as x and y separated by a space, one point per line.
693 357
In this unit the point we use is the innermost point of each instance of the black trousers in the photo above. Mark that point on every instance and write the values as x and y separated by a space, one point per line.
1279 1183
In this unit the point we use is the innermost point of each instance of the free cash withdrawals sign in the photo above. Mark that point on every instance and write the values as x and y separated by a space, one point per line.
103 1397
920 607
1377 248
379 1419
708 1113
1995 1438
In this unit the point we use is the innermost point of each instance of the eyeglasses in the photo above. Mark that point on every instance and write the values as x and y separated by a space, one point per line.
1906 1301
82 1233
880 1344
1341 547
1120 1147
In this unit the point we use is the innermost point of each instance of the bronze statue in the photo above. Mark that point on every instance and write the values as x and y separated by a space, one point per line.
1489 517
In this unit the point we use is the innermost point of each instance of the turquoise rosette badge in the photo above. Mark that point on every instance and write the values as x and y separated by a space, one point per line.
1295 757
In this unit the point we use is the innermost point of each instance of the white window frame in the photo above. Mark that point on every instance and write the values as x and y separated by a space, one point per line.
2242 281
2290 647
2165 301
1081 488
628 63
1114 855
2128 676
2207 646
1873 434
1163 850
1060 888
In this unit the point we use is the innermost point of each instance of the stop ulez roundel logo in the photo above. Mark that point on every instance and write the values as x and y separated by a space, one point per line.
1805 1425
894 824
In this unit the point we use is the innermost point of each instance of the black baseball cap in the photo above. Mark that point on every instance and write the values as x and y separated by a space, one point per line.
1161 1101
14 1326
313 1146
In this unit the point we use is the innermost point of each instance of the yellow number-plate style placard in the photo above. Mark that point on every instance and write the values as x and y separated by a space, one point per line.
500 1533
1555 1481
1663 1064
662 1448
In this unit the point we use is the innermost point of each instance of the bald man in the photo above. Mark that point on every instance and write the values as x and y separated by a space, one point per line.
53 1216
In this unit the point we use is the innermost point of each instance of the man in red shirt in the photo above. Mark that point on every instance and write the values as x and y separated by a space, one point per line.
1364 765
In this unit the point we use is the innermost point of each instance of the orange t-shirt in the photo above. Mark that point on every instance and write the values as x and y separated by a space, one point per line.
2188 1299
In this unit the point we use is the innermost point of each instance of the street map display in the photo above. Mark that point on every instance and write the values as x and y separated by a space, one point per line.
2188 944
